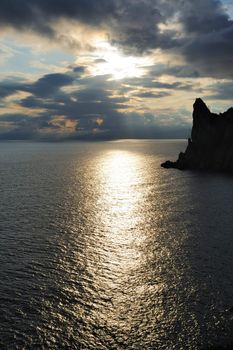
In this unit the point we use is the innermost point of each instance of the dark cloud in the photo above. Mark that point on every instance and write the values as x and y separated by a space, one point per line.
152 94
221 91
49 84
204 17
199 31
79 70
212 53
46 86
208 44
8 87
171 86
85 104
23 127
134 25
38 15
7 90
100 60
16 118
181 71
148 82
92 104
33 102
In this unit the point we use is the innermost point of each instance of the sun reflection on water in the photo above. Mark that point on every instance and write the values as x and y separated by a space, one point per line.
120 173
136 269
114 256
119 218
120 196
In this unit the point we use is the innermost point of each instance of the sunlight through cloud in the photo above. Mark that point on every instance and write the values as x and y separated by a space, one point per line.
109 60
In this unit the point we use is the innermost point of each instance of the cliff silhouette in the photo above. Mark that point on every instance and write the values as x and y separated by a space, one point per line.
211 144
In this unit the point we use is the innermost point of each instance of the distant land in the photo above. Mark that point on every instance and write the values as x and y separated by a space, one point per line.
211 144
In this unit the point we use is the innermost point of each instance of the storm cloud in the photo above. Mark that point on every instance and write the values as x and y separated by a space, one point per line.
135 25
92 107
188 42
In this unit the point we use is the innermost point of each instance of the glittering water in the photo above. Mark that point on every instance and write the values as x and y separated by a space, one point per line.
100 248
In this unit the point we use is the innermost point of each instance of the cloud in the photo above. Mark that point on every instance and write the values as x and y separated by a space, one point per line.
44 87
203 17
221 91
132 24
88 107
201 32
208 43
148 82
179 71
152 94
49 84
212 53
8 88
187 42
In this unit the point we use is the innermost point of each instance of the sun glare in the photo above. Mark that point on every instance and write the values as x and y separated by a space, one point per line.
119 199
110 60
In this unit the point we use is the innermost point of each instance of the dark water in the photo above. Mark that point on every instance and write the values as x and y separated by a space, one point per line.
100 248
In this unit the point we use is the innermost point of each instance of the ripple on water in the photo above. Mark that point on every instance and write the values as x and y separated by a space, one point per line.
100 248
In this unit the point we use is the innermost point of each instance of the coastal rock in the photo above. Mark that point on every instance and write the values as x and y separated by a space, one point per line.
211 144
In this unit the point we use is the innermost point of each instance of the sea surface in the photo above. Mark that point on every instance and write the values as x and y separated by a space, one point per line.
101 248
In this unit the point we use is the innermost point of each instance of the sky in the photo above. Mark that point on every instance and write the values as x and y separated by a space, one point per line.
110 69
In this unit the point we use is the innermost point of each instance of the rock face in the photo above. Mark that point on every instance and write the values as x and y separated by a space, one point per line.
211 143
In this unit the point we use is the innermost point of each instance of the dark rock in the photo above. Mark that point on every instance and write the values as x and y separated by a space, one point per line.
211 144
168 164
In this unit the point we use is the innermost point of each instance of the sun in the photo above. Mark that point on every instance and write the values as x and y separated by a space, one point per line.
109 60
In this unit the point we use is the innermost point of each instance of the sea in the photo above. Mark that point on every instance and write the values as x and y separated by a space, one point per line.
102 249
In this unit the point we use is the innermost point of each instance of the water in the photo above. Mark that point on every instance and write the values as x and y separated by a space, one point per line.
100 248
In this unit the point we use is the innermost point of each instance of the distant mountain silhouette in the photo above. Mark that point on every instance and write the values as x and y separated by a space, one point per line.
211 143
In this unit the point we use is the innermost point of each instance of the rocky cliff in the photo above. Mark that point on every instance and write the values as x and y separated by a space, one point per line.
211 144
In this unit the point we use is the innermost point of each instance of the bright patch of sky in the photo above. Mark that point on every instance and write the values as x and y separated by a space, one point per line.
20 59
228 4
